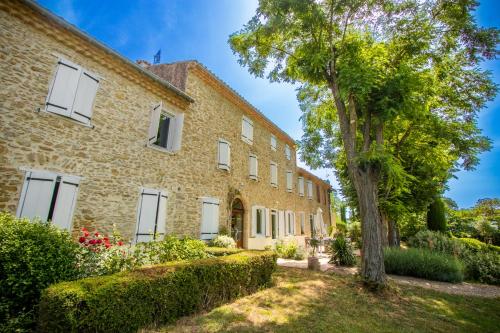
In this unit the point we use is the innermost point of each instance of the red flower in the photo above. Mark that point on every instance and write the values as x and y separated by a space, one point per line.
96 234
120 243
84 229
92 241
86 234
99 241
82 239
106 239
107 245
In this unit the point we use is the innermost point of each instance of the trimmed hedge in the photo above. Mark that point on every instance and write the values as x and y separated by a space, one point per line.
152 295
423 263
478 246
221 251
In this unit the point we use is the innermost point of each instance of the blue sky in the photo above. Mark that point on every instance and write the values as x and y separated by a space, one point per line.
199 29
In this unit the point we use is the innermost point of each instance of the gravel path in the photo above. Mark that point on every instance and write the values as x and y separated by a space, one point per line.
464 288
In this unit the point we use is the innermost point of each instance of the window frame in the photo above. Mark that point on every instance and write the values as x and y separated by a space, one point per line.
275 146
288 152
250 158
222 166
275 165
249 121
209 201
310 189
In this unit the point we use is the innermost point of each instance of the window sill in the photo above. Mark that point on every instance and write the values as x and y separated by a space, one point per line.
161 149
274 185
246 140
71 120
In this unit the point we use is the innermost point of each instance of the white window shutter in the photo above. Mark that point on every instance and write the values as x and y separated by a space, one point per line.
247 129
36 195
294 224
224 155
253 229
209 218
301 186
273 142
253 166
274 174
179 125
62 92
268 223
161 224
154 123
146 220
65 202
287 152
281 223
289 184
85 95
309 189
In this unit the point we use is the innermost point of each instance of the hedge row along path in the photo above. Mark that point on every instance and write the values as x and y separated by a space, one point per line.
464 288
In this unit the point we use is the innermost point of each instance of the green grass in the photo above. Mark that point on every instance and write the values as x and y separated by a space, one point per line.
305 301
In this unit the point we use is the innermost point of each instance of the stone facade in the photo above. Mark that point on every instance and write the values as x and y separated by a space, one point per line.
112 156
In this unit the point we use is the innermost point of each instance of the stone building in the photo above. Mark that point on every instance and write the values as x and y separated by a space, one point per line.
89 138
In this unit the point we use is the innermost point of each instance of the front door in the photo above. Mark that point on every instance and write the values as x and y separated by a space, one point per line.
237 223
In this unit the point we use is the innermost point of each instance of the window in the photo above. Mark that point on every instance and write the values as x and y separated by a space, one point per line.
274 224
247 130
209 218
288 153
302 217
273 142
260 216
253 167
290 223
151 216
318 193
72 92
50 197
309 190
224 155
289 182
165 128
311 225
274 174
301 186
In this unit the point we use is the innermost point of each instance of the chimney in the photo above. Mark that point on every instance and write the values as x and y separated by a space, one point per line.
143 63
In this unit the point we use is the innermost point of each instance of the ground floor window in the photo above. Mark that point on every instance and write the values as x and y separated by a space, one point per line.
311 223
274 224
209 218
259 220
50 197
151 215
302 223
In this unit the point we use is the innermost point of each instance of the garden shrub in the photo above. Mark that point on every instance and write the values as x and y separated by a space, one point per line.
221 251
33 255
354 233
478 246
289 250
436 217
223 241
482 266
423 263
342 252
436 241
155 295
341 227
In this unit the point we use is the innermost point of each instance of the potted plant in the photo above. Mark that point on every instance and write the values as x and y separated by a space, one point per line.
313 260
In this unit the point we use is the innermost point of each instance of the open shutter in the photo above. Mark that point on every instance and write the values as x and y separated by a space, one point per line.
247 130
85 95
301 186
224 155
253 166
161 224
65 202
63 89
179 124
209 218
268 223
253 227
36 195
281 223
289 184
146 222
154 123
273 142
274 174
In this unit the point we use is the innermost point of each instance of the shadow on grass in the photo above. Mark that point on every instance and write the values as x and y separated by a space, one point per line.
304 301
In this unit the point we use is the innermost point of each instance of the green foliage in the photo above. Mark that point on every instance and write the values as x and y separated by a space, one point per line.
482 266
410 225
170 248
475 245
289 250
221 251
423 263
33 255
436 219
223 241
354 233
341 227
436 241
342 252
150 296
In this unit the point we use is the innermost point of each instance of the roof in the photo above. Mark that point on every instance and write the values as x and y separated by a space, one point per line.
176 73
71 28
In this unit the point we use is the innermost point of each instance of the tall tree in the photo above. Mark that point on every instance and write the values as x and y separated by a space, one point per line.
373 58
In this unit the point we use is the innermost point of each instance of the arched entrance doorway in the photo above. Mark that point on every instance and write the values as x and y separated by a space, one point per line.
237 212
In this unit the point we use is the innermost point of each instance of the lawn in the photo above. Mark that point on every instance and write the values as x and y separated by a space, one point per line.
305 301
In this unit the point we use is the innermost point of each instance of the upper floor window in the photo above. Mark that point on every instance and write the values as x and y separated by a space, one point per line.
224 155
274 143
247 130
288 152
72 92
165 128
318 193
253 167
289 181
301 186
309 190
274 174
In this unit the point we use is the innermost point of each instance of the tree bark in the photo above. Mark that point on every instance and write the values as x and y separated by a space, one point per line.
384 219
393 234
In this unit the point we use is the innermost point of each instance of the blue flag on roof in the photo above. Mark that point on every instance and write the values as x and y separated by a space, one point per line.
156 59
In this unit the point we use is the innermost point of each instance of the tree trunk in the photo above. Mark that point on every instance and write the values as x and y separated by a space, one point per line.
385 221
372 261
393 235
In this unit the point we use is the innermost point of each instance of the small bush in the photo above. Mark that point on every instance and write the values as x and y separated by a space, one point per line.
341 227
155 295
436 241
33 255
223 241
289 250
436 217
476 245
221 251
342 252
354 233
423 263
